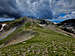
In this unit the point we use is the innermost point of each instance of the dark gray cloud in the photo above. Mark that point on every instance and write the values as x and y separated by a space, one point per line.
35 8
8 7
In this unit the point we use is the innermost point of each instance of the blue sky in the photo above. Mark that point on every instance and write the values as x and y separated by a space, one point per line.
6 19
37 8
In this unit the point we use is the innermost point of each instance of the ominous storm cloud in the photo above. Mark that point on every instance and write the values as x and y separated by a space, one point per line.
35 8
8 7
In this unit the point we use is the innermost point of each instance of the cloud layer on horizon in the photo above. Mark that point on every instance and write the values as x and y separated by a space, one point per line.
36 8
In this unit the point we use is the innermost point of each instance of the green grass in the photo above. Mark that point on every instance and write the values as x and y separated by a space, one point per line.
20 29
45 43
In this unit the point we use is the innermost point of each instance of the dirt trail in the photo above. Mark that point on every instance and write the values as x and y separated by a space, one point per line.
20 38
53 27
5 34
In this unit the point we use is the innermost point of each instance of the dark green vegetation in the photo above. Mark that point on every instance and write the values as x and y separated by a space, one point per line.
46 42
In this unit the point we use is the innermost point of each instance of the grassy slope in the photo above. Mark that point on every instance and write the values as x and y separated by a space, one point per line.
45 43
12 24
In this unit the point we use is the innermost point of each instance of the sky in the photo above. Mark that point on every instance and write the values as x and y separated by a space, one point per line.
36 8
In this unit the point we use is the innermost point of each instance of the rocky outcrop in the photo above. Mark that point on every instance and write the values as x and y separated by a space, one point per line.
68 25
2 26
